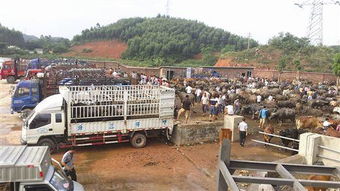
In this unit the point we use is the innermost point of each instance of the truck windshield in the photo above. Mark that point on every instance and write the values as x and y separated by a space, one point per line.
60 182
22 91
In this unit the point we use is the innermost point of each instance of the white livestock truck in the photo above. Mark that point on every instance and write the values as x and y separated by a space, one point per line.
95 115
24 168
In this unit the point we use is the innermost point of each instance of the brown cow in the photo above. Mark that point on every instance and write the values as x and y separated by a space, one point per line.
268 129
331 132
318 177
308 122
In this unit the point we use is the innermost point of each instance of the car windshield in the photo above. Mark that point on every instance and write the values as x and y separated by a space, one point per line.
60 182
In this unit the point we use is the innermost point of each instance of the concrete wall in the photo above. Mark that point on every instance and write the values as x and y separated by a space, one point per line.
291 75
310 148
196 133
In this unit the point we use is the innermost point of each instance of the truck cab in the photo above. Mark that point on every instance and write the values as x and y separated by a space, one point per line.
47 120
27 168
26 96
55 180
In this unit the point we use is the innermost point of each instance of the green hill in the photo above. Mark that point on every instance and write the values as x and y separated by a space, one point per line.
169 39
286 52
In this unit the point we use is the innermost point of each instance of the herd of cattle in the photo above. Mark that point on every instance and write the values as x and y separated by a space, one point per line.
304 103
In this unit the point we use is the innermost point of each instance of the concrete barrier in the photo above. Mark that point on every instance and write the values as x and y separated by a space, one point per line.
189 134
320 148
231 122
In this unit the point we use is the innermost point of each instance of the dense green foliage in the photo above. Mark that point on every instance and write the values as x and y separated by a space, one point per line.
170 39
336 64
10 38
49 44
287 52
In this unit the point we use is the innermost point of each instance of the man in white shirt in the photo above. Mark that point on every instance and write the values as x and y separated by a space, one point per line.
230 109
270 98
188 89
205 103
242 127
326 124
258 98
198 95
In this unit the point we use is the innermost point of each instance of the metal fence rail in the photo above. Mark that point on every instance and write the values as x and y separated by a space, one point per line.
276 145
337 159
279 136
227 167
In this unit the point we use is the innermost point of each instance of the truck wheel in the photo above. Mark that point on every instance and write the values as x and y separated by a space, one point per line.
138 140
24 113
11 79
50 143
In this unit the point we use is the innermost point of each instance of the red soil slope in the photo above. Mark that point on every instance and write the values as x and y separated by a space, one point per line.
102 49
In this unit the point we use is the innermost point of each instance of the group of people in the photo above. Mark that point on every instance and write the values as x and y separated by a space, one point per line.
214 105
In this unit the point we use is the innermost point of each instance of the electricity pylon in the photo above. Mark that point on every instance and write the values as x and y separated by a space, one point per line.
315 26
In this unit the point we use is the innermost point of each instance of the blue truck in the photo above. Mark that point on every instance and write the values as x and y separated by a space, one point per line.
28 93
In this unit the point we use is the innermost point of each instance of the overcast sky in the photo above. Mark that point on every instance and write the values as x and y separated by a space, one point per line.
261 18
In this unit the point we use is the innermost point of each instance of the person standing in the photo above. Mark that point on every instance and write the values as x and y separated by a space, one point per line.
205 103
198 94
67 162
263 115
213 109
188 89
237 106
230 109
186 104
258 98
242 127
326 124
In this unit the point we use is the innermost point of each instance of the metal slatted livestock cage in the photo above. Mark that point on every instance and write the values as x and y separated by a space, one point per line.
93 109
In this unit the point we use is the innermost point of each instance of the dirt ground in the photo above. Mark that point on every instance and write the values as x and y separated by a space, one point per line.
103 49
158 166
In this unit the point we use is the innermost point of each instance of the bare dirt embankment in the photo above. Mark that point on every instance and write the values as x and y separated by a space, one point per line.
99 49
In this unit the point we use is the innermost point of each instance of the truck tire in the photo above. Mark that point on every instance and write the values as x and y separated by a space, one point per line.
50 143
138 140
11 79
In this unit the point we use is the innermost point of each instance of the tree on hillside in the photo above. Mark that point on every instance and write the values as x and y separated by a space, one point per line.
298 67
171 39
11 37
289 43
281 66
336 69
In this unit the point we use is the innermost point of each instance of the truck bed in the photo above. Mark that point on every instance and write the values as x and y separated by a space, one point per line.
22 163
96 109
